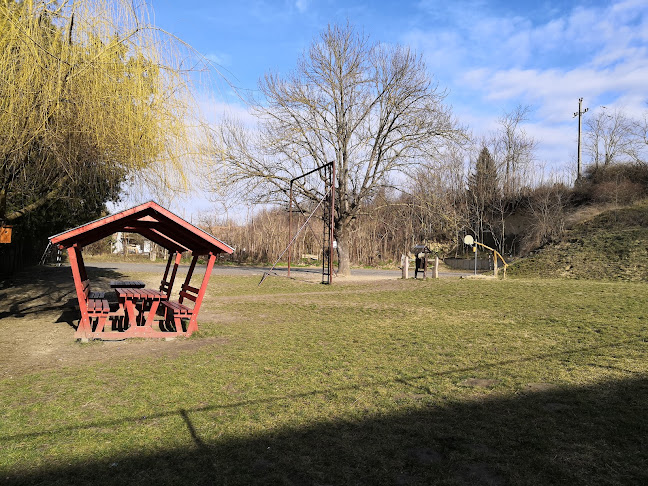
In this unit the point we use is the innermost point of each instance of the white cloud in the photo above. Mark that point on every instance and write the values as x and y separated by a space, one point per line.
216 109
492 63
219 58
301 5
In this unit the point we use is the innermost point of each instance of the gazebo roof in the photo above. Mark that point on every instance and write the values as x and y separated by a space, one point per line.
151 221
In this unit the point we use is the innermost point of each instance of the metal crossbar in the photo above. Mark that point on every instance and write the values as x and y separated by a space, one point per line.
329 174
265 274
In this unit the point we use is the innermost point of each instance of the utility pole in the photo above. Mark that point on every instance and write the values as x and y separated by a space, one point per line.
579 114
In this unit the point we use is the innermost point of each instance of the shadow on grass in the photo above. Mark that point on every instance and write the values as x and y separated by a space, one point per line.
43 289
586 435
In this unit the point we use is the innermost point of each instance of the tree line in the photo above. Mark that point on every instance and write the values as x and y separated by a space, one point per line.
433 213
93 99
407 171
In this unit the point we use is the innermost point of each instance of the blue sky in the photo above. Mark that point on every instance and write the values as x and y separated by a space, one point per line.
490 56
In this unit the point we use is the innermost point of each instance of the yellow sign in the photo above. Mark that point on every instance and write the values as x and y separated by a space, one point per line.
5 234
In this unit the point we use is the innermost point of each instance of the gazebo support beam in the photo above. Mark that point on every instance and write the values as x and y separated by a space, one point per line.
193 321
79 274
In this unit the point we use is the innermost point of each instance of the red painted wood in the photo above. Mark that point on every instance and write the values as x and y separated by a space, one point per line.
84 322
178 258
164 285
151 220
193 321
187 281
140 306
167 230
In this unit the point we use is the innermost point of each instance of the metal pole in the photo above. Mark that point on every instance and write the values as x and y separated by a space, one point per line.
475 250
580 114
324 235
580 104
332 164
332 223
290 226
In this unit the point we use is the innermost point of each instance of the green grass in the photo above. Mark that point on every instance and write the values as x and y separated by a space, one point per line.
611 245
370 383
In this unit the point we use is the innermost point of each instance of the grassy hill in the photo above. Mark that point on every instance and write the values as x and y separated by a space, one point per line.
611 245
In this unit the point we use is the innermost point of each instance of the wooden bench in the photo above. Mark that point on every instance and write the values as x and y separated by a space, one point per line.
174 312
97 306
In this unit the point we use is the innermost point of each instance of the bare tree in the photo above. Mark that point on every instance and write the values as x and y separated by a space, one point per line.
547 211
611 136
639 152
483 190
439 194
513 148
370 107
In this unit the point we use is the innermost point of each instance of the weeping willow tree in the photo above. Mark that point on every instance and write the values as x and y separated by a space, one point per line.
91 95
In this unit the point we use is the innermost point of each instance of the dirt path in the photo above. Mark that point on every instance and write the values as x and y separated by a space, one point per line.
308 273
38 314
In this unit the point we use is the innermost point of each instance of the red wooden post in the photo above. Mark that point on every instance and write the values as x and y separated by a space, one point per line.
81 263
84 328
193 321
164 284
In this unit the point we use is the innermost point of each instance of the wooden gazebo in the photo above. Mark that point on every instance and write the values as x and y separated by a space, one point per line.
138 308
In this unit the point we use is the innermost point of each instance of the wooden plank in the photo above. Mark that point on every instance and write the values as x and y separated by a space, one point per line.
187 281
189 296
178 308
178 258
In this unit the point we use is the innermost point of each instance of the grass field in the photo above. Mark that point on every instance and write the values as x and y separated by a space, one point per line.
390 382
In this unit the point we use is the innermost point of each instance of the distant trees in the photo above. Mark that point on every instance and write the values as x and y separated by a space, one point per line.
439 198
513 148
612 136
371 107
546 208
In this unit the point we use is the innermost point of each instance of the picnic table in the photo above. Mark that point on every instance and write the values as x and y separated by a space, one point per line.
140 306
136 284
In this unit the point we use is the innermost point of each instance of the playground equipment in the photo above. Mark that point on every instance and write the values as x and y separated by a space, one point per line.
470 241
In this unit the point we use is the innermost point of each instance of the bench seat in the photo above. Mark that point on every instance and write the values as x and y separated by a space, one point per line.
98 307
177 308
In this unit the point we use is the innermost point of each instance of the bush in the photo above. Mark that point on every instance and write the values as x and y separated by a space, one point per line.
546 207
620 184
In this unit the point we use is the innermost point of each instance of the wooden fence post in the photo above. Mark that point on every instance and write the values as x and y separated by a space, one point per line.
405 266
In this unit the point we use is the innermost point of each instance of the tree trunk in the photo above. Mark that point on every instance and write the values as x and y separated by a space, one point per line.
343 244
52 194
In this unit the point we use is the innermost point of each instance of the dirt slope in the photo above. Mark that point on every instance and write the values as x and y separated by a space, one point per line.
611 245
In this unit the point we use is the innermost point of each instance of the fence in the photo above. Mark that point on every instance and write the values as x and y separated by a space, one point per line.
469 264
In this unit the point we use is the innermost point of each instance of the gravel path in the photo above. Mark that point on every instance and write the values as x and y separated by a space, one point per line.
300 272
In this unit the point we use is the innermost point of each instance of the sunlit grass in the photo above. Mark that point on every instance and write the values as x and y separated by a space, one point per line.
300 357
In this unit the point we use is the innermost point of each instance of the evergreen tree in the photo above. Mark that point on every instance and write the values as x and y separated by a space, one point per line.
482 190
